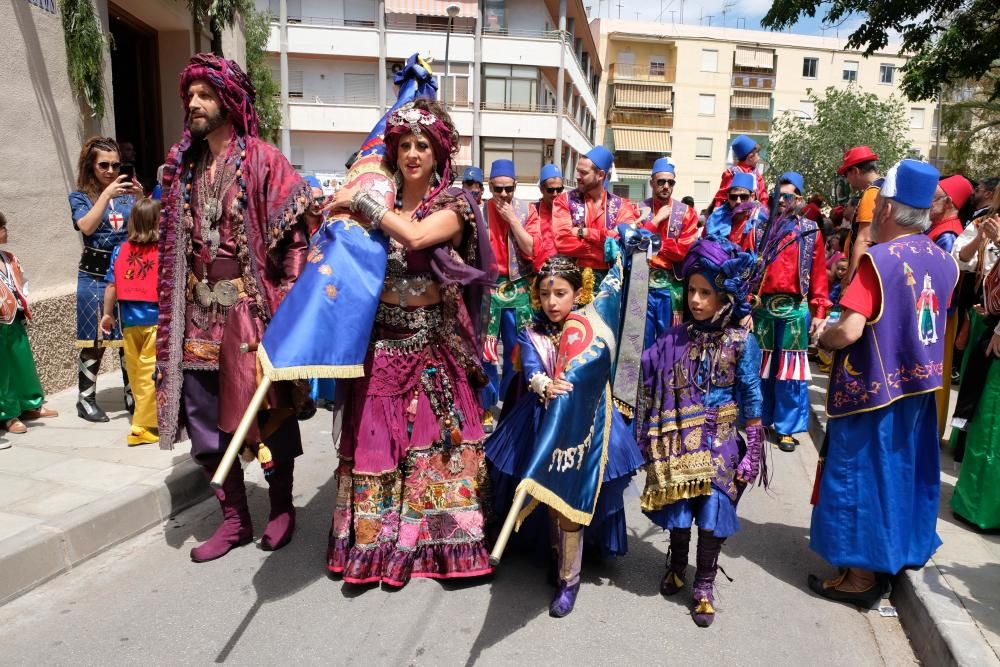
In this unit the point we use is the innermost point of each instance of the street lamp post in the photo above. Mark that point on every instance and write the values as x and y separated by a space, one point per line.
452 11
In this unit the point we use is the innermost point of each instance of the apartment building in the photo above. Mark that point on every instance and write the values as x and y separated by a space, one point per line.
685 91
508 61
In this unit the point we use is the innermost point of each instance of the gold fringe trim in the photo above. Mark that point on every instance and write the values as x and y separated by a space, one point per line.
654 500
548 497
627 410
87 344
306 372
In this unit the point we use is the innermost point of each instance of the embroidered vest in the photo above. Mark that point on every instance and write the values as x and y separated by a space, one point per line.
12 296
137 270
901 351
953 225
675 223
578 209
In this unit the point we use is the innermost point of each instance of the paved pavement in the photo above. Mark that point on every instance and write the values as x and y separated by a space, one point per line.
143 600
951 608
70 489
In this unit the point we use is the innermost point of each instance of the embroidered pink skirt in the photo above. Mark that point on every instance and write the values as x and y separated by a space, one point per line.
411 478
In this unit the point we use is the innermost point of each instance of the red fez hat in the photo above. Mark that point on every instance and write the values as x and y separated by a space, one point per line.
855 156
958 188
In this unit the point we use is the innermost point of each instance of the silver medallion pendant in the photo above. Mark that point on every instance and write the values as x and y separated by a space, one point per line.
203 294
211 211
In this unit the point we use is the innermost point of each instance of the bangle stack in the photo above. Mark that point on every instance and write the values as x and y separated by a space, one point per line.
369 207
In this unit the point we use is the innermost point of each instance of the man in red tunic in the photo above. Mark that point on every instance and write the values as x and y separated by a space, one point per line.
550 182
584 218
232 242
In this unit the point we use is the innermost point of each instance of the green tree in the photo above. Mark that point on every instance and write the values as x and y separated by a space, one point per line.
85 49
970 127
951 40
219 15
843 118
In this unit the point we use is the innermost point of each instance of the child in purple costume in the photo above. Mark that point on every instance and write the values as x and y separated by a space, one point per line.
700 380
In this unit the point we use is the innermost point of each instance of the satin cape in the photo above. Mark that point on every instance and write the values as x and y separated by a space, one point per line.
324 324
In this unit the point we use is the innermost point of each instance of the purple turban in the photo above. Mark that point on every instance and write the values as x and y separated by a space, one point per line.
231 84
727 269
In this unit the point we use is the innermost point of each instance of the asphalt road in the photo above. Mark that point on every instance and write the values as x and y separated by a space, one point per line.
144 602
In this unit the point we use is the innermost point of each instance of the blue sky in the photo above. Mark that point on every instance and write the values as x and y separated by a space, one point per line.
747 13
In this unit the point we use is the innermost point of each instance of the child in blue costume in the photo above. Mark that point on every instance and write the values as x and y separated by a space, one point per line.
559 288
700 382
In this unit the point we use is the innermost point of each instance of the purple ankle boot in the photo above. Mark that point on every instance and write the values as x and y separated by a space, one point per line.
236 528
570 557
281 521
709 548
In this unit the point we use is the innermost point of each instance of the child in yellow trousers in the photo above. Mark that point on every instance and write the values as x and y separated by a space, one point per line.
132 283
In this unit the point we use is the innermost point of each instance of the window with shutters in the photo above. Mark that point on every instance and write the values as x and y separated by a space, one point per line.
706 105
916 119
359 88
657 65
703 192
359 13
526 154
703 148
295 83
850 72
709 60
511 87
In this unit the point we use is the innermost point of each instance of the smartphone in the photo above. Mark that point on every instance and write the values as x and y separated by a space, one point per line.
128 170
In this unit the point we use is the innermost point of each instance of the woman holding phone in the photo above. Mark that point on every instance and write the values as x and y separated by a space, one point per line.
100 207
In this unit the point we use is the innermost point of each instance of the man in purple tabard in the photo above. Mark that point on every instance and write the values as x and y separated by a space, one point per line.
877 503
233 240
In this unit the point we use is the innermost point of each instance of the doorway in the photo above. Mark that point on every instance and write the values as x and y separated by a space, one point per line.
135 75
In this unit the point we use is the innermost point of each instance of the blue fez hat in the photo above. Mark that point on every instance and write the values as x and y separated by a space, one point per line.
795 178
601 157
549 171
312 181
501 168
741 179
743 146
911 182
663 164
474 174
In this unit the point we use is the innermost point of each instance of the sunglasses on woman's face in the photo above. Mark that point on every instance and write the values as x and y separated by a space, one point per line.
660 182
743 197
113 166
509 189
555 191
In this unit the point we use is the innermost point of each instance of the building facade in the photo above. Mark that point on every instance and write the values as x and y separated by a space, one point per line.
507 62
686 91
43 124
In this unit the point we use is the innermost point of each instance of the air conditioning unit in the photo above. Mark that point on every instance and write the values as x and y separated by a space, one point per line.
396 66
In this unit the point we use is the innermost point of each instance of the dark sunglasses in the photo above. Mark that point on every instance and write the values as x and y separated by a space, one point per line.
743 197
109 165
555 191
509 189
787 196
660 182
319 200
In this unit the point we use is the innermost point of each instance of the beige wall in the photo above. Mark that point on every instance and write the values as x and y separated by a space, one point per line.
700 177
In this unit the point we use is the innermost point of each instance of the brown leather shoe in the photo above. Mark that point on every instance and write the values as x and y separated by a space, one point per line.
40 413
15 425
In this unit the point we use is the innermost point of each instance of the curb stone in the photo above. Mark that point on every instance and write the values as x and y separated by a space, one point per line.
36 555
940 628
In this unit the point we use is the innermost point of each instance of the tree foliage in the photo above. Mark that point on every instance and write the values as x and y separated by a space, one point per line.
219 15
843 118
85 48
970 127
951 40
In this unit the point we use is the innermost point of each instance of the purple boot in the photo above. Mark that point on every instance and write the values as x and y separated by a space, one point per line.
236 528
709 548
570 557
677 561
281 521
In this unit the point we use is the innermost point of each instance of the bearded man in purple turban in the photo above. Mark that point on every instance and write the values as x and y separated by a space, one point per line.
233 240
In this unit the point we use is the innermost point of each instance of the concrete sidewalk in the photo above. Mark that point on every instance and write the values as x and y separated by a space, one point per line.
70 489
951 607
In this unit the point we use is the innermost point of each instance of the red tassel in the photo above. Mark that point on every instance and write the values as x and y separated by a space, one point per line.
456 436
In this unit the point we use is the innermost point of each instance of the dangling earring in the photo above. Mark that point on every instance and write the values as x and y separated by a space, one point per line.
397 180
435 179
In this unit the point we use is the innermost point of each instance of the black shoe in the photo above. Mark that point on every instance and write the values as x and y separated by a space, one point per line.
864 599
130 402
787 443
90 411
